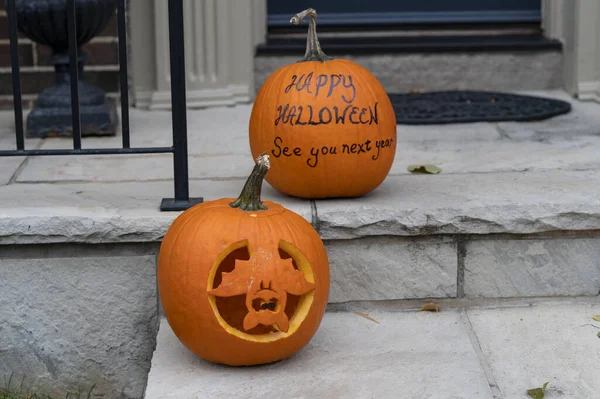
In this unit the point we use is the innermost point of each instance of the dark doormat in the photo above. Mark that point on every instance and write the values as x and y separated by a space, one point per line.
472 106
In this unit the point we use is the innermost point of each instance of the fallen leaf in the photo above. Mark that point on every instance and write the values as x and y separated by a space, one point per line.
430 307
537 393
429 168
366 316
596 317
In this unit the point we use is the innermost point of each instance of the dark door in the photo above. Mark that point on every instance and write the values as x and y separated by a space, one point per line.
397 12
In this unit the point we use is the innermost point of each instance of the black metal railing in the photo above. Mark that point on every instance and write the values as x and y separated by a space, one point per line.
181 199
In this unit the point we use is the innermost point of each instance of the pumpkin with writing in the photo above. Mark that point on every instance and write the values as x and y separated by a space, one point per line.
243 282
327 123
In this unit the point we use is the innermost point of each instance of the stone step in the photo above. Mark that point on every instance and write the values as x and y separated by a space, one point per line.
485 235
402 72
488 235
489 351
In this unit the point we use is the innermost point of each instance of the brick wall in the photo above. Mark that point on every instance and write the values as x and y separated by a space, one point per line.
37 72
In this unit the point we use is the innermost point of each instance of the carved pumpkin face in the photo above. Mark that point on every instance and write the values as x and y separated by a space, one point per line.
243 287
265 280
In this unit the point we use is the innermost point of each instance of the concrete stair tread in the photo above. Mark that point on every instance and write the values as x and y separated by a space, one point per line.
490 351
515 202
508 177
488 203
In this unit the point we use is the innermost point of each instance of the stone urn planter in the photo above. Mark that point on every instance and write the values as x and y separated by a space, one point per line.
45 22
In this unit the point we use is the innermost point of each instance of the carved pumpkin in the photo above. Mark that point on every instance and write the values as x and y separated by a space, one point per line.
328 125
243 282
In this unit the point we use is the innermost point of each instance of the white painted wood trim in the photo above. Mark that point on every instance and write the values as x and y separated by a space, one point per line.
220 39
589 91
552 18
577 24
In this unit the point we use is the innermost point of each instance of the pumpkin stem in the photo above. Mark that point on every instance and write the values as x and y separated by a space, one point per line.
249 199
313 48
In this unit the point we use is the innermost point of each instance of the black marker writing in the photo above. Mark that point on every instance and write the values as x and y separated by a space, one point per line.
382 144
326 82
307 115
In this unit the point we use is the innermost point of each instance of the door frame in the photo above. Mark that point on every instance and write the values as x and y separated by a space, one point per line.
576 23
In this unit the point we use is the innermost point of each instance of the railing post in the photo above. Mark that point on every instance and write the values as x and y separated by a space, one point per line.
182 199
16 75
123 72
74 73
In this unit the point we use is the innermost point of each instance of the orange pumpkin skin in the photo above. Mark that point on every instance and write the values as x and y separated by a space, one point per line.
189 264
365 143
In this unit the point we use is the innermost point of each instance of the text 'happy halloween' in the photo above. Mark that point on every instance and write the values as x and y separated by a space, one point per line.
325 85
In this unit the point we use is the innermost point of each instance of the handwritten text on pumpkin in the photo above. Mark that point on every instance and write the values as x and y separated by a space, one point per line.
325 85
329 82
280 149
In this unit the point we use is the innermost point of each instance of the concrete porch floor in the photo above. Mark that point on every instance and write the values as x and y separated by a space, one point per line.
515 214
489 350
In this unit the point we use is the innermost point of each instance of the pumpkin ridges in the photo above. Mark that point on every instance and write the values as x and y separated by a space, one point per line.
262 93
356 174
260 141
198 215
176 229
289 177
181 310
353 66
186 265
322 282
357 67
270 82
171 241
248 353
196 246
289 72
